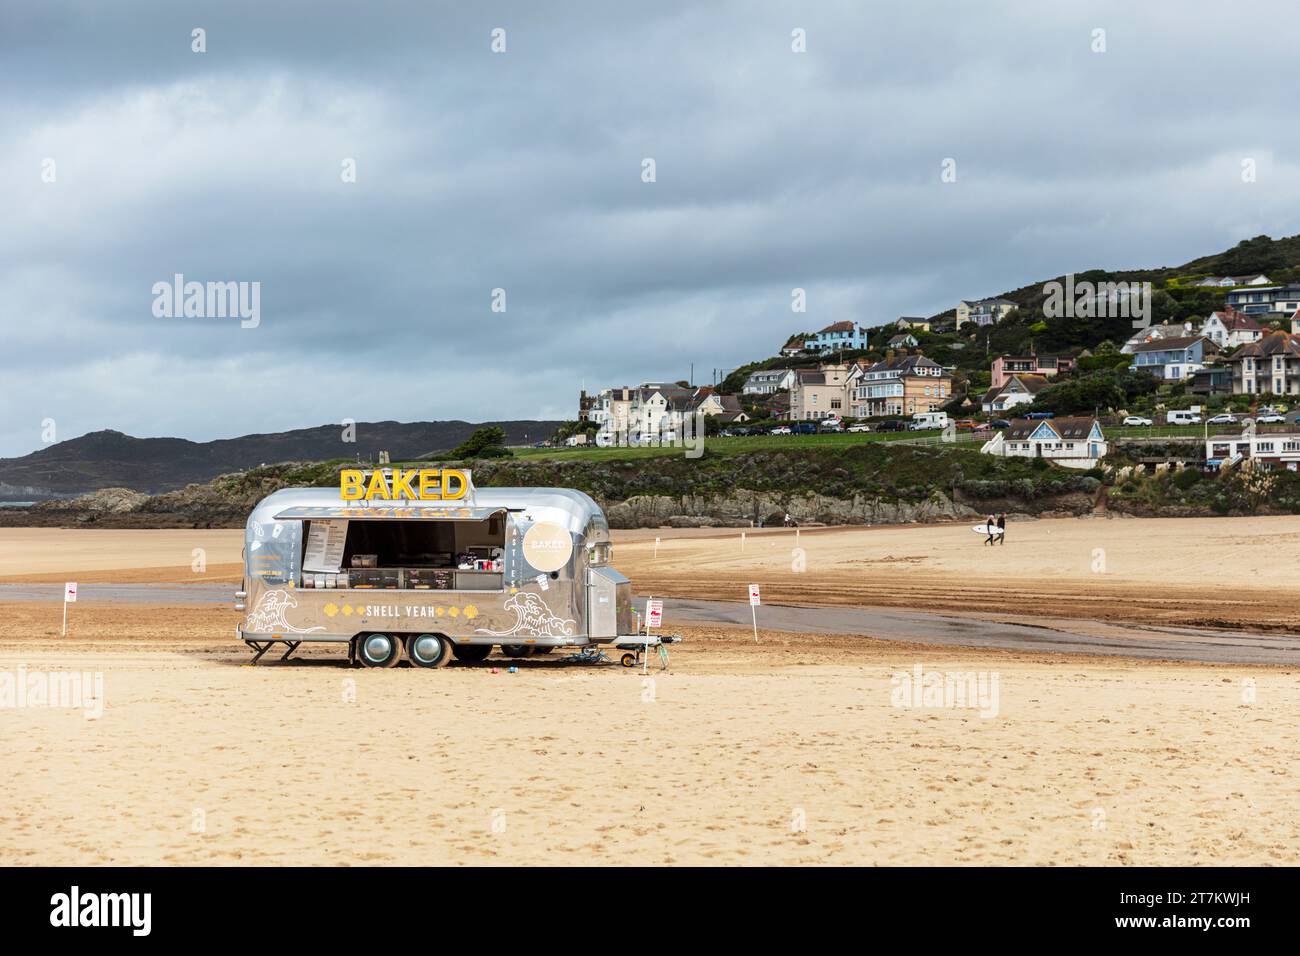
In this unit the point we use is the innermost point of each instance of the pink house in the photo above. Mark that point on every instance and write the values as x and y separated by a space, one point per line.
1005 366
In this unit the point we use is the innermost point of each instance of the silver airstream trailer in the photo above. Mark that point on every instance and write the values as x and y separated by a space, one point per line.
427 568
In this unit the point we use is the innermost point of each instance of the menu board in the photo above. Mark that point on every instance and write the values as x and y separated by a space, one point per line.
325 543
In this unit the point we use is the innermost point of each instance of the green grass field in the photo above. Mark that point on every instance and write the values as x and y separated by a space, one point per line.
738 445
750 443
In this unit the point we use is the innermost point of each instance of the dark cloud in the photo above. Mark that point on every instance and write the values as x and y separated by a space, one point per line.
522 171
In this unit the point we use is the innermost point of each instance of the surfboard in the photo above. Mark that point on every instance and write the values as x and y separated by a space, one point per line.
984 529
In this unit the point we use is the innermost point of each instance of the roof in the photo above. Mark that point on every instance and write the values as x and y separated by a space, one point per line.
812 378
839 327
1069 428
768 373
566 507
1279 343
1032 385
902 337
905 364
1234 320
1170 344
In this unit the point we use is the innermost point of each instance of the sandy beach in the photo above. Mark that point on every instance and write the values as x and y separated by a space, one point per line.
803 749
792 751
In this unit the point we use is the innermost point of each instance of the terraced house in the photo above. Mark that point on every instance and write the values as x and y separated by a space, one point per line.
902 386
1269 366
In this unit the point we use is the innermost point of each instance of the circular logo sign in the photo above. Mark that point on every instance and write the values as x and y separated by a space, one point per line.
547 547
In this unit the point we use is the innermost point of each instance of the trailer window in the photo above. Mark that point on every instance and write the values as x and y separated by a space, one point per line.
418 555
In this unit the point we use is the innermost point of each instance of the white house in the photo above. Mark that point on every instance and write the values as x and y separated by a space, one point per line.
768 381
1229 328
1017 390
1072 442
1266 450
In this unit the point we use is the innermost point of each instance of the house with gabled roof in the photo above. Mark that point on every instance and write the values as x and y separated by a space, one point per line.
793 346
1230 328
1016 390
1075 442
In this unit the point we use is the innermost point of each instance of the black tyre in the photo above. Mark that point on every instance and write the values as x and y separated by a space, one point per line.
542 648
379 650
471 652
517 650
428 650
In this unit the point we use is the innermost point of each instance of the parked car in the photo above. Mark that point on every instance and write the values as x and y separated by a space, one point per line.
1032 416
805 428
1272 418
919 427
1000 423
1137 420
859 427
781 430
1223 418
893 425
831 426
983 427
965 424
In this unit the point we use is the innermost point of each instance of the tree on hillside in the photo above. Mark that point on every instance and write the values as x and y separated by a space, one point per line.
486 442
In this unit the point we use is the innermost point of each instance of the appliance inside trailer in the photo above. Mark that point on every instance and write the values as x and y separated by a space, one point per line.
401 554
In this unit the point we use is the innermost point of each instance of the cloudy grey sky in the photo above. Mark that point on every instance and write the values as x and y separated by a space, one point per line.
522 170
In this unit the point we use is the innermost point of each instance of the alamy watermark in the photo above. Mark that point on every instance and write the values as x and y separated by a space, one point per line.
209 300
679 431
1099 300
71 689
946 690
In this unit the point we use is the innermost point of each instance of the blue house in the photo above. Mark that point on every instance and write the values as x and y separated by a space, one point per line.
838 335
1173 359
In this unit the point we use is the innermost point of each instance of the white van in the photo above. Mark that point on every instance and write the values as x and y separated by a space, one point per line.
924 420
1184 416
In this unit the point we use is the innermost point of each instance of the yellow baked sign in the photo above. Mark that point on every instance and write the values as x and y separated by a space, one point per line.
404 484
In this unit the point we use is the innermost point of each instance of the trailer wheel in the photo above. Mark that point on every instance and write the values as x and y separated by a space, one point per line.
517 650
628 660
379 650
542 648
428 650
471 652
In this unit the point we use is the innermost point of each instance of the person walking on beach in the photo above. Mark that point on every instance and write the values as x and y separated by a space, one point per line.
1002 528
990 525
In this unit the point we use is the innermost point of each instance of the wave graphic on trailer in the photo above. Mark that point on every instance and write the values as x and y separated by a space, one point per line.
532 618
268 616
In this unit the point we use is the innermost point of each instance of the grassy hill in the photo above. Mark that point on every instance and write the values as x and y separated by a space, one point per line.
109 459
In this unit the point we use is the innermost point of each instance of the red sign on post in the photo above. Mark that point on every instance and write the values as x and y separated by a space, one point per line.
753 595
654 613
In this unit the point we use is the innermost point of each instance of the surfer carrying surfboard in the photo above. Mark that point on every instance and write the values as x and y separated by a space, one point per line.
1002 528
991 526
